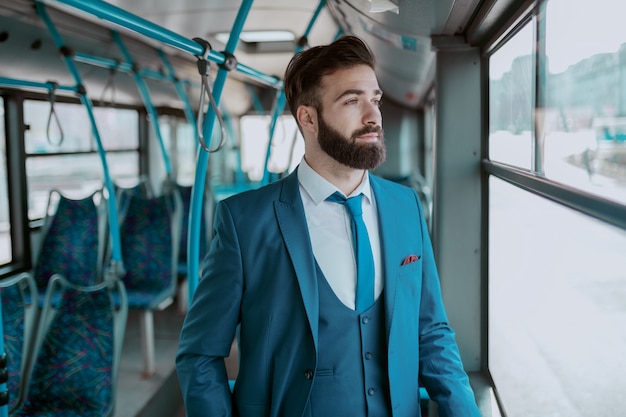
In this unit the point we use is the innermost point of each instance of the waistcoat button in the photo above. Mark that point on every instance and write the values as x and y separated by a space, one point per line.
308 374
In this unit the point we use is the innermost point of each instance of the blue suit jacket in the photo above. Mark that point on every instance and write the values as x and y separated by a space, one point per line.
260 273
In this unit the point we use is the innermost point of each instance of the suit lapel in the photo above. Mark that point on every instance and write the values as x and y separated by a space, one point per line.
390 232
292 223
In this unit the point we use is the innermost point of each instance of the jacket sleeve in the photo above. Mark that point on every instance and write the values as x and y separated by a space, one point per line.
441 369
210 324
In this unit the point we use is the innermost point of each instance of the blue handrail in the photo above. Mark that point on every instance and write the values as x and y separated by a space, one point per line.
116 266
180 90
49 85
280 99
4 408
197 191
137 24
147 101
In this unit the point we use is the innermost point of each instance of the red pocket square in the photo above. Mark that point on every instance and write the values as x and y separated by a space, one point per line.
409 259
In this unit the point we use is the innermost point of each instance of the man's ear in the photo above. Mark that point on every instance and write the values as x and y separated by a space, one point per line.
307 118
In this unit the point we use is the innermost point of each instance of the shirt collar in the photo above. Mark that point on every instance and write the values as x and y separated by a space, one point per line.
318 188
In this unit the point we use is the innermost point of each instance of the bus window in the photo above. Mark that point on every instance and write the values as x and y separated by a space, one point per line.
5 224
585 116
73 165
511 85
557 284
285 153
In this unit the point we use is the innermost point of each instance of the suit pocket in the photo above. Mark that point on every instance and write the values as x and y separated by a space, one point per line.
411 268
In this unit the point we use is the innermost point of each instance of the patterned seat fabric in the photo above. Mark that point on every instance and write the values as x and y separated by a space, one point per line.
185 194
18 321
70 244
149 250
77 353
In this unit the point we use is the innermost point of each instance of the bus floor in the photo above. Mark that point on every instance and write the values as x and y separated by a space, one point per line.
158 395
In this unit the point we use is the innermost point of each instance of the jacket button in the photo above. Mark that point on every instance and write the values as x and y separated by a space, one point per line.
368 355
308 374
371 392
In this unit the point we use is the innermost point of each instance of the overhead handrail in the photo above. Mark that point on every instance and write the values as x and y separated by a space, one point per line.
142 26
53 114
116 268
48 85
280 96
204 68
147 101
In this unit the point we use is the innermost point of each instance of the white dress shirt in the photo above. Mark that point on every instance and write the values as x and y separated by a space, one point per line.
331 234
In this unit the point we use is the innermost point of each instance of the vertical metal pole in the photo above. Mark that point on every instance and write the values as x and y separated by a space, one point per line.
117 265
540 104
4 394
197 191
145 95
280 99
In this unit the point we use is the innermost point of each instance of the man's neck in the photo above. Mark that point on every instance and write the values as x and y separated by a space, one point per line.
345 178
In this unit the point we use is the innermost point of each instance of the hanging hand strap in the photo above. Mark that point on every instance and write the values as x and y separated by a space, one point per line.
53 114
204 68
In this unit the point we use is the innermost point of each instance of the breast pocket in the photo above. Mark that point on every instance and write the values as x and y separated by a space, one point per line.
410 278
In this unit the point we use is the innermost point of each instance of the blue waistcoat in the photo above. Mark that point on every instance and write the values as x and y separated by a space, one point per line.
351 378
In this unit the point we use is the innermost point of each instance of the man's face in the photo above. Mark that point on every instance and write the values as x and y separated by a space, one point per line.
349 122
348 150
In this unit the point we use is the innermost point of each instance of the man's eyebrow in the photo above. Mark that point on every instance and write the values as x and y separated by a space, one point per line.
357 92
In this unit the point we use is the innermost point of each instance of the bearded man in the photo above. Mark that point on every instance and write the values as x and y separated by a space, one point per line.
329 274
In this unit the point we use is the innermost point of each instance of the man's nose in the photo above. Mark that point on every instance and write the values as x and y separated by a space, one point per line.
372 115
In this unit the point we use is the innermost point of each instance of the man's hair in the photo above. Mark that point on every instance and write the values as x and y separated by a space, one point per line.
306 69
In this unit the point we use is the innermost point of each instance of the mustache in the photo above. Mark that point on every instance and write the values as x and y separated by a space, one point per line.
368 129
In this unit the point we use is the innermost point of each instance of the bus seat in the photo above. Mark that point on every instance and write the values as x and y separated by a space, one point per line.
77 351
205 237
150 233
142 189
71 243
19 319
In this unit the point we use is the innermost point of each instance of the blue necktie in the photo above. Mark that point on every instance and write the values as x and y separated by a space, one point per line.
362 249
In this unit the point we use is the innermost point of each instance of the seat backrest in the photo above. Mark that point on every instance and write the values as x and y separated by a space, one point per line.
71 244
205 225
143 188
149 233
19 318
77 350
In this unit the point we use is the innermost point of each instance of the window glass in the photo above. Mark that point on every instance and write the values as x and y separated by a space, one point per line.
585 117
70 130
75 175
76 169
186 151
511 86
118 128
557 291
287 145
5 222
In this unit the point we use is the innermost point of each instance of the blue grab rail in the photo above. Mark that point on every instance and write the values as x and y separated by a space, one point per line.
280 99
137 24
48 85
197 191
116 263
145 95
4 393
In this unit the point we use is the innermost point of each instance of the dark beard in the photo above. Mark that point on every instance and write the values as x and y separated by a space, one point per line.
347 151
